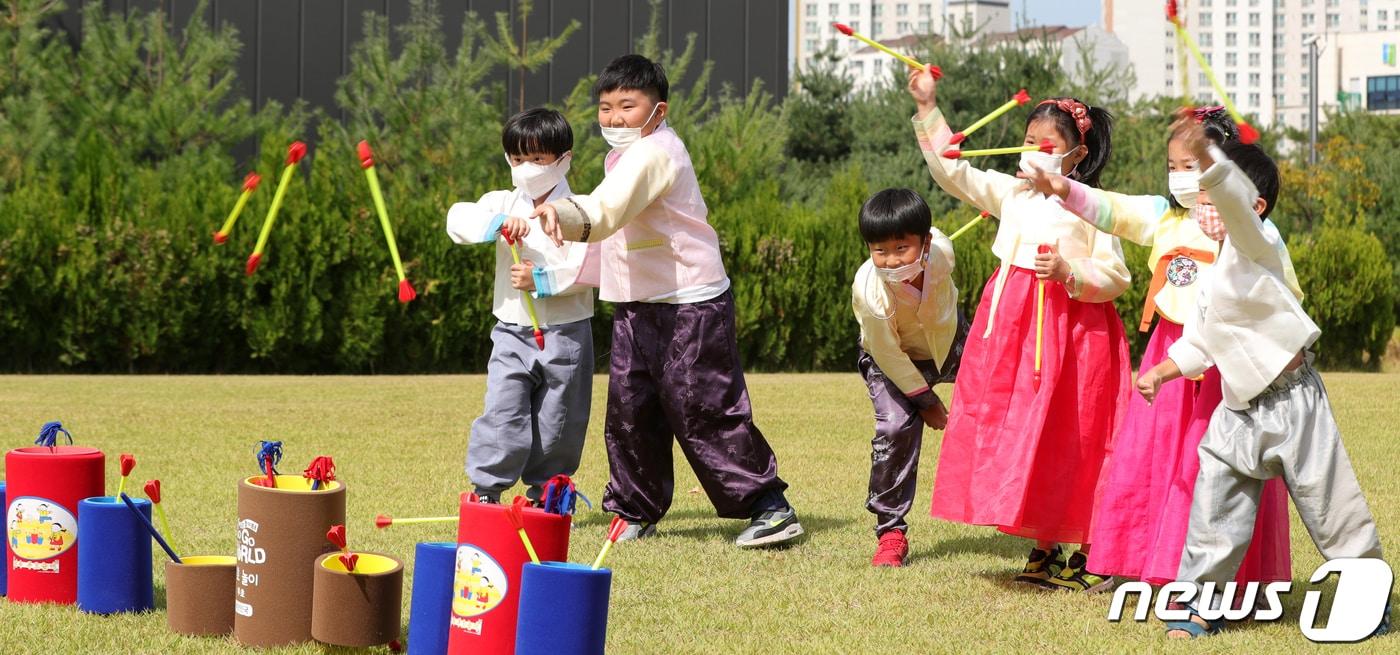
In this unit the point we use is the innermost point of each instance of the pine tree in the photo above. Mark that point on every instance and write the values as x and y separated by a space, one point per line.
523 55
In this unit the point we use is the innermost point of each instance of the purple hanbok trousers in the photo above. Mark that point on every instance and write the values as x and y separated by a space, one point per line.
676 374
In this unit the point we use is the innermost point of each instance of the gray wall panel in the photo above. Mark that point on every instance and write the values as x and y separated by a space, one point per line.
298 48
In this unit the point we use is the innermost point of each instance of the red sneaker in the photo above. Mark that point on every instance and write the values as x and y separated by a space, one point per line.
892 550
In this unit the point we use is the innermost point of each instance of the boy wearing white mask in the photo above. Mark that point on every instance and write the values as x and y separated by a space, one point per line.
675 371
537 399
907 306
1145 503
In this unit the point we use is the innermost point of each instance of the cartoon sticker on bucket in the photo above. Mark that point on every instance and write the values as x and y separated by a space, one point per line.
479 584
39 528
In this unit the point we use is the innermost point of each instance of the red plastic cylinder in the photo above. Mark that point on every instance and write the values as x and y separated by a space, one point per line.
486 580
44 486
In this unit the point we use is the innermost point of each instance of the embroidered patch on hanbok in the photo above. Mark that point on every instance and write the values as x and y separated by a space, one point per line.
1182 271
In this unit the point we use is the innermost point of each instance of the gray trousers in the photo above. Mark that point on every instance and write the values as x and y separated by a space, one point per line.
536 411
1287 431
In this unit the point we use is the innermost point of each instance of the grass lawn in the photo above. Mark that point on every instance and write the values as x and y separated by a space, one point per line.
399 443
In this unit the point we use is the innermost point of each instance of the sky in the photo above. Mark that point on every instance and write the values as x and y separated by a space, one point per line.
1060 12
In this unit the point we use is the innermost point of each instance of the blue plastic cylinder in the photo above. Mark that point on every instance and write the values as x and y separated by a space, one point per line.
114 557
430 613
4 558
563 610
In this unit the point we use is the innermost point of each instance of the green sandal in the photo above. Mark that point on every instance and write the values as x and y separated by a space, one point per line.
1042 565
1074 577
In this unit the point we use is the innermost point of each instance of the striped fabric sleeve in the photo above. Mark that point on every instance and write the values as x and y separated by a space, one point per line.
569 276
1103 275
1134 218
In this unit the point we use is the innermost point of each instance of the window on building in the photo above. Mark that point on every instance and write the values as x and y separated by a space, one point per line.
1278 39
901 9
1204 19
1254 19
1253 60
1383 92
902 27
1306 80
1231 40
875 29
855 25
1381 15
1254 80
811 45
926 9
1278 61
1207 40
1202 80
1304 60
1254 39
833 8
1254 100
1254 3
1232 59
1205 4
1278 81
811 26
1309 20
859 67
854 8
1278 21
923 27
1230 3
1334 20
1230 19
1231 79
1338 3
1278 99
879 9
812 9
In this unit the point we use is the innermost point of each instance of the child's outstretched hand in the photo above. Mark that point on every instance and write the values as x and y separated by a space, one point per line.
924 88
522 275
549 222
1048 184
515 228
1149 382
1051 266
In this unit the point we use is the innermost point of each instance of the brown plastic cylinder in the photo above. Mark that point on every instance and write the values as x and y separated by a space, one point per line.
281 532
199 595
357 608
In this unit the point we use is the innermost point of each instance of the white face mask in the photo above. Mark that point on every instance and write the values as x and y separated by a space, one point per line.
904 273
621 137
536 180
1031 161
1184 186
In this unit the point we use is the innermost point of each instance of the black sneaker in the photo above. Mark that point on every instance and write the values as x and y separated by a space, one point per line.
770 528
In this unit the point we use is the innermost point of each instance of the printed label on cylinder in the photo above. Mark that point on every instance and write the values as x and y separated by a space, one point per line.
39 529
479 585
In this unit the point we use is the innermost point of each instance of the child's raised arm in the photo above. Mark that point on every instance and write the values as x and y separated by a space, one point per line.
984 190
